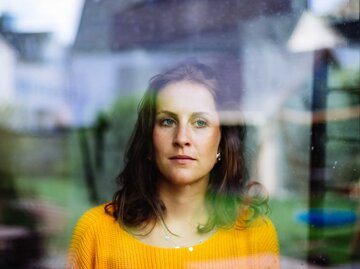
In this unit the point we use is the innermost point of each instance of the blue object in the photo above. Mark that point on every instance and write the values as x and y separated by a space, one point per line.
326 217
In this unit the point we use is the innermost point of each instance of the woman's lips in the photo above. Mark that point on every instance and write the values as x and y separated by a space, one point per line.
181 159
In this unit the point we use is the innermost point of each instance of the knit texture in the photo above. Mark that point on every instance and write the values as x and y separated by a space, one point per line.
100 242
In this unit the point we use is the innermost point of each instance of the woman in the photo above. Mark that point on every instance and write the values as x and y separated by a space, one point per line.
183 201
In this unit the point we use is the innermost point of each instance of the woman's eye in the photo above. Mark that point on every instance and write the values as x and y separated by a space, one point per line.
167 122
200 123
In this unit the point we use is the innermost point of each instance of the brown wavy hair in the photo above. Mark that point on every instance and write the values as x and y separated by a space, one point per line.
137 202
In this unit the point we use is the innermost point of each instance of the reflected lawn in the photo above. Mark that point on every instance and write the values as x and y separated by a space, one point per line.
64 198
329 245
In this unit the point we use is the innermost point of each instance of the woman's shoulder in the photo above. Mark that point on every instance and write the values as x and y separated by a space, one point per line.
261 224
262 233
92 225
94 217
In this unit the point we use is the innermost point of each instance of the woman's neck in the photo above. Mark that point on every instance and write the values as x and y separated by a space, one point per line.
185 211
185 205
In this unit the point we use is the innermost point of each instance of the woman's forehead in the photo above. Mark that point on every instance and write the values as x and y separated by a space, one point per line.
185 95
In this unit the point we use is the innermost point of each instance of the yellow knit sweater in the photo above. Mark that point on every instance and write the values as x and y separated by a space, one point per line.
99 242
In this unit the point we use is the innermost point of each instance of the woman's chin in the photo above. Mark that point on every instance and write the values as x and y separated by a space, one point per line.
184 180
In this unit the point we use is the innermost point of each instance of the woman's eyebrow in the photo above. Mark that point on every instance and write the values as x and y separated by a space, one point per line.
166 112
206 115
193 115
198 114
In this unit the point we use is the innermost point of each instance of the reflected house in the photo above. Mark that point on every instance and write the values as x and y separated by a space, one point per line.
36 98
152 24
33 99
30 46
119 46
7 80
7 73
38 93
41 94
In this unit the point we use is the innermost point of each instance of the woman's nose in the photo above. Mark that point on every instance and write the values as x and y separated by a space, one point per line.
182 137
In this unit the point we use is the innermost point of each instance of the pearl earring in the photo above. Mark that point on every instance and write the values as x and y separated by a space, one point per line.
218 156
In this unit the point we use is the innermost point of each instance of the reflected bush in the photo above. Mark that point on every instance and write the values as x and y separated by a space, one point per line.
107 140
21 242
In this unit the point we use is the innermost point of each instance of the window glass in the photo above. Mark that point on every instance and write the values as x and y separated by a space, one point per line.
72 74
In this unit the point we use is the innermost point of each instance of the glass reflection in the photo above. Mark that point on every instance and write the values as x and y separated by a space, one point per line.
66 112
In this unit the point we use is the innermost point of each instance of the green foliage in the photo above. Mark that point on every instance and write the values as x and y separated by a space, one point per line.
345 79
120 119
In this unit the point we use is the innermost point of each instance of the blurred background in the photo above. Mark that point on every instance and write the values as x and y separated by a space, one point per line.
72 73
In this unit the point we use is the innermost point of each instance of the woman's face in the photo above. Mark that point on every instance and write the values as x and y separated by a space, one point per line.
186 134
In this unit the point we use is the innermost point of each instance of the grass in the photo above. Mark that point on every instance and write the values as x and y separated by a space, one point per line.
331 242
68 195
